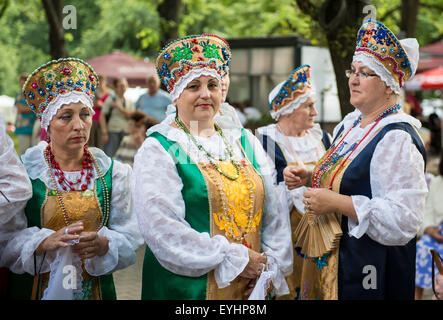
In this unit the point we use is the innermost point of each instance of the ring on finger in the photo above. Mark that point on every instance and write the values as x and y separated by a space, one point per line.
66 230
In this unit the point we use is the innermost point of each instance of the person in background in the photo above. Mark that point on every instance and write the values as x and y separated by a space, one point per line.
24 124
96 137
116 111
294 139
139 122
155 102
432 237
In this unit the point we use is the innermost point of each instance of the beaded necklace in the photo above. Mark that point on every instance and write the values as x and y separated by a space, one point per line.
60 199
211 158
333 156
62 180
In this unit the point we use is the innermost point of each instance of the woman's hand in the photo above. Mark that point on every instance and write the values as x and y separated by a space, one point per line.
255 265
91 245
319 201
60 238
296 176
434 232
324 201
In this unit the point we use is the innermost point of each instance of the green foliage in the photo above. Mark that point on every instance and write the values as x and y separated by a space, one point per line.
134 26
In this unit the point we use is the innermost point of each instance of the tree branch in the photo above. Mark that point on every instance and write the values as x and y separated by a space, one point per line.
5 4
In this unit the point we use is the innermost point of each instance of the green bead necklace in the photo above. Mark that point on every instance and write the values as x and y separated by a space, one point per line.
228 150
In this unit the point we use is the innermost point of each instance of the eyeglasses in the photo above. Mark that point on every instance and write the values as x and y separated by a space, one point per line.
360 75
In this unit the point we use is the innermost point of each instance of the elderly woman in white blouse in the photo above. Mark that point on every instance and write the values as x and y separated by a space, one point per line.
368 191
78 226
204 195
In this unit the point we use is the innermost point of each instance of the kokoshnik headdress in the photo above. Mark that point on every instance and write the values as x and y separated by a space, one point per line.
60 82
393 60
290 94
187 58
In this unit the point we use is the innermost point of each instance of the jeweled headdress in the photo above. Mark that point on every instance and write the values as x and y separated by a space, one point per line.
57 83
184 59
290 94
395 61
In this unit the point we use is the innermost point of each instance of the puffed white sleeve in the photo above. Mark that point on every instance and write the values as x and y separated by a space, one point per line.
276 228
122 230
15 189
160 209
395 213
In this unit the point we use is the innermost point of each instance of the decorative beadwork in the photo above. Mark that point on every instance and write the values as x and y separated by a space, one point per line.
60 199
375 39
299 83
329 162
211 158
58 77
192 52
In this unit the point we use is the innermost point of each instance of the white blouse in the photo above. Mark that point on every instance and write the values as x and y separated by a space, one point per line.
15 188
307 149
395 213
434 204
160 208
122 230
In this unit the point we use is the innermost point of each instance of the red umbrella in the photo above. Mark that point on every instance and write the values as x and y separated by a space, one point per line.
122 65
428 80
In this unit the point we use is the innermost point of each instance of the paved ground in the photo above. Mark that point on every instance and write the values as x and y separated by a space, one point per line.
128 282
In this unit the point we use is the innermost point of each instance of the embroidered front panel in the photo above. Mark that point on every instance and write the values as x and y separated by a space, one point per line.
236 210
80 206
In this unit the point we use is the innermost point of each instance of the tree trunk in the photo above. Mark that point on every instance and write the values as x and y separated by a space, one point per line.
409 11
340 20
57 44
169 12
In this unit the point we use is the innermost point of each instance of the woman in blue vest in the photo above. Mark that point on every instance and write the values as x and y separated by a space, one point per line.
294 139
368 191
204 195
78 227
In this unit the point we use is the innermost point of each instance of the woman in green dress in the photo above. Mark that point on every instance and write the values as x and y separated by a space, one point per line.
78 227
204 195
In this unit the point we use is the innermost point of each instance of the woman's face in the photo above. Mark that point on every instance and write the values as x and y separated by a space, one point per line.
303 117
70 127
120 87
367 93
200 100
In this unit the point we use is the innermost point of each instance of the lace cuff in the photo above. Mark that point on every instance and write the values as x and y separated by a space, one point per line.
232 265
98 266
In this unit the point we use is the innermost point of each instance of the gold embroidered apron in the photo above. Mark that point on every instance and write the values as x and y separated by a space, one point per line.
80 206
233 205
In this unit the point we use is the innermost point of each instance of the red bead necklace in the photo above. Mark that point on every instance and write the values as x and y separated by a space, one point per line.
85 174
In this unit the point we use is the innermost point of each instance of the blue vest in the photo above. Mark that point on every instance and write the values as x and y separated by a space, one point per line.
276 153
394 265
